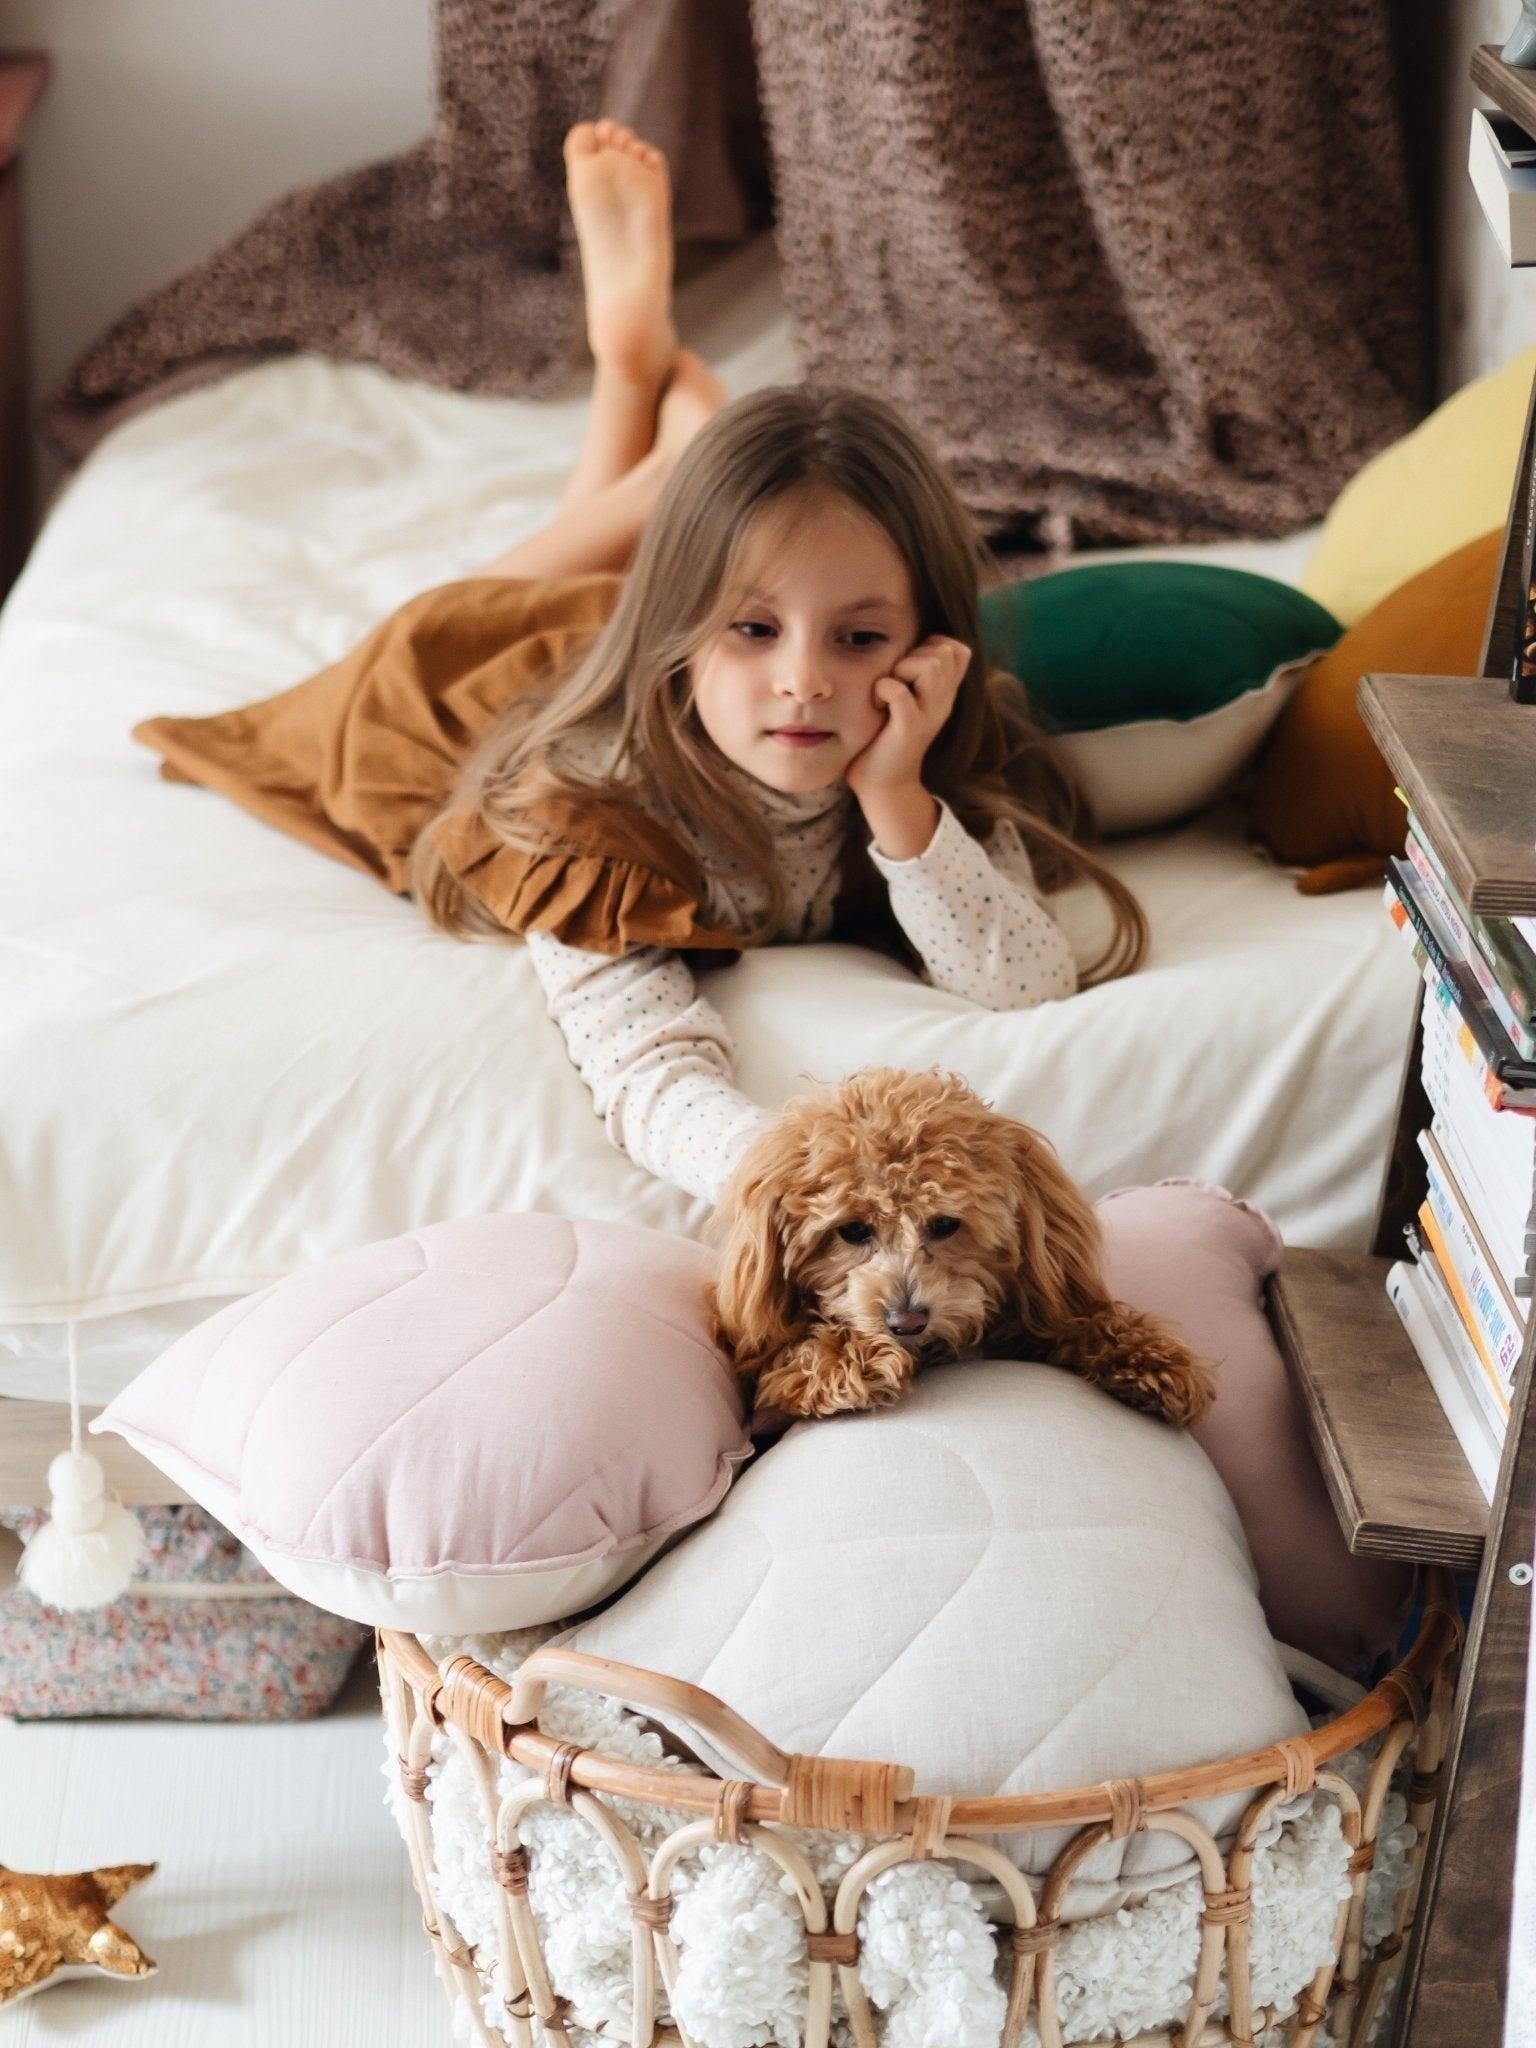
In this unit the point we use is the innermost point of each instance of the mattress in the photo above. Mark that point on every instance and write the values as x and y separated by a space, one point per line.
226 1057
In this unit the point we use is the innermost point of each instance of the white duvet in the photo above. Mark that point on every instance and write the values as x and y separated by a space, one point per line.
223 1056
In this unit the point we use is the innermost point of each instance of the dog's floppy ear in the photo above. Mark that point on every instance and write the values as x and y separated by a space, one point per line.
1060 1297
1058 1270
755 1308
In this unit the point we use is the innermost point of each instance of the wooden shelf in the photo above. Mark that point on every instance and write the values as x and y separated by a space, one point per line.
1464 754
1512 92
1394 1470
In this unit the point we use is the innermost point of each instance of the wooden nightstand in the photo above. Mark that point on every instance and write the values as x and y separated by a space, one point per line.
23 76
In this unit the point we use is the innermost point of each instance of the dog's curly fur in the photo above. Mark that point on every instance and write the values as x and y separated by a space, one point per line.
959 1217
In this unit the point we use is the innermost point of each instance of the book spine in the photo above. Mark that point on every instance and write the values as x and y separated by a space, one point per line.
1503 1062
1511 962
1465 1424
1431 935
1433 1249
1443 1175
1497 1336
1481 1100
1504 957
1443 1001
1489 1214
1498 1142
1463 936
1464 1354
1492 1039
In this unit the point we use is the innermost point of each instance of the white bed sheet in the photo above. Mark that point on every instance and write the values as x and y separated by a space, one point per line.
223 1057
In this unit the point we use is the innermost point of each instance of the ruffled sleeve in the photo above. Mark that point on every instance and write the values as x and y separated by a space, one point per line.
598 881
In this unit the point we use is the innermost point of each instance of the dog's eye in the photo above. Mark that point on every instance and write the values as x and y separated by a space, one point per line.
943 1226
855 1233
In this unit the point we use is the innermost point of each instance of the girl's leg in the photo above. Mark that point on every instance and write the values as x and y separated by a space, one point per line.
599 532
620 196
649 397
601 529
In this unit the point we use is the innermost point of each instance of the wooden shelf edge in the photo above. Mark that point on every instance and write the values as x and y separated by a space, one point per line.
1512 92
1482 763
1393 1468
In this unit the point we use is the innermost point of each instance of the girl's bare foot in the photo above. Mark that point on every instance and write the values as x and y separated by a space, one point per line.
693 395
621 201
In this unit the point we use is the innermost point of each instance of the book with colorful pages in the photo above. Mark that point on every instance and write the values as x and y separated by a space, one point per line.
1503 1061
1456 1081
1500 1094
1405 1289
1491 1213
1468 1360
1497 1334
1510 1005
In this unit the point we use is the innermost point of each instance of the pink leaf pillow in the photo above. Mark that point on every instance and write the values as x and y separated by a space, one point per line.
485 1423
1197 1257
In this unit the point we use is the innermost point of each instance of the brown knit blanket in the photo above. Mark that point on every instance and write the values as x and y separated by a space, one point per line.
1141 271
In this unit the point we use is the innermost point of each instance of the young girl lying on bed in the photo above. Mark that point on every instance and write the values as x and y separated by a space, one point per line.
789 684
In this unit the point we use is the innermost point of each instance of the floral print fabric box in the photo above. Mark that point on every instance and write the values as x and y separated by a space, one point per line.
202 1634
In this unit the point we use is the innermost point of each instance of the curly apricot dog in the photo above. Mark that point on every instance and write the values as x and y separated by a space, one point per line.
895 1221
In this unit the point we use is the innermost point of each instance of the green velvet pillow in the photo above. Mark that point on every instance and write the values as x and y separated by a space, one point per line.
1116 643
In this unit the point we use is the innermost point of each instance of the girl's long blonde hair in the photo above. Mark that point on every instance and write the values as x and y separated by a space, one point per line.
772 450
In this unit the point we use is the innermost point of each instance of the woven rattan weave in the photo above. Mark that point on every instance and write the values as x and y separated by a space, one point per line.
1407 1709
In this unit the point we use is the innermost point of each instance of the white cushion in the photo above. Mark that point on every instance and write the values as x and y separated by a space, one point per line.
1009 1582
1152 773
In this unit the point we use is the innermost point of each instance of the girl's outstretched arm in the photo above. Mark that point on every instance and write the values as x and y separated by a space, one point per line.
973 913
656 1056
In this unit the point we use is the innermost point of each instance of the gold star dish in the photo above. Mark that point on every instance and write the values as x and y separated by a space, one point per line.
57 1927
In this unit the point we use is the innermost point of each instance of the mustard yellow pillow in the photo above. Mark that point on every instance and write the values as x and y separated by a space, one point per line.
1432 492
1323 796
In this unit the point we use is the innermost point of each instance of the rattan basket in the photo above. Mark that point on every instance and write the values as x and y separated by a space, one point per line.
490 1718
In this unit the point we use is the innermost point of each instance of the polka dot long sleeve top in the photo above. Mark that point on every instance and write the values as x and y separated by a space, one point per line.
658 1057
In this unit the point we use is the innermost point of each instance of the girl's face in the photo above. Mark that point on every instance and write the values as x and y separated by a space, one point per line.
786 688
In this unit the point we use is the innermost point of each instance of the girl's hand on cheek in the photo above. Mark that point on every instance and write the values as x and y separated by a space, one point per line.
917 697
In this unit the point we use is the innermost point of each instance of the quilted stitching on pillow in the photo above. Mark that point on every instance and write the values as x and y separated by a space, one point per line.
1009 1582
488 1422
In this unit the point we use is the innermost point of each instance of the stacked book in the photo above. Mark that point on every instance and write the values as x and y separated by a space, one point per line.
1464 1291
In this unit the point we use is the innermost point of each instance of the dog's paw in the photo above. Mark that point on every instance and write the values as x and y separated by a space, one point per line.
1140 1362
1178 1389
834 1371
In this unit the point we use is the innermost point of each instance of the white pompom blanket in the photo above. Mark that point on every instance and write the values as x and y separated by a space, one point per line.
928 1958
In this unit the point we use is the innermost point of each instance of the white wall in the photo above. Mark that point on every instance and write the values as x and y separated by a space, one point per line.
1487 310
170 122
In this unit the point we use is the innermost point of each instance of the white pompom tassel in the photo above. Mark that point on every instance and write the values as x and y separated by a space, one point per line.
84 1554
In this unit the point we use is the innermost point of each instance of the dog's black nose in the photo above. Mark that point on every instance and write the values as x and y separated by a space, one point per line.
906 1322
